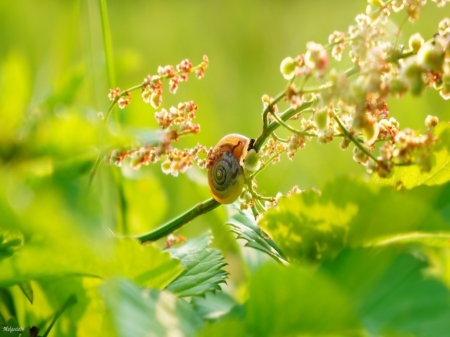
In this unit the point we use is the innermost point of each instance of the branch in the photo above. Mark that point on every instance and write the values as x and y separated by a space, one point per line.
267 130
178 222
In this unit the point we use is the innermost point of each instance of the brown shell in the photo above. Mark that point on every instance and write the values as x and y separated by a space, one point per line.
235 144
232 151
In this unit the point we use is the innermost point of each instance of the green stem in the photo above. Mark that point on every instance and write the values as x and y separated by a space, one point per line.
70 301
268 129
354 140
107 45
290 128
171 226
270 107
254 174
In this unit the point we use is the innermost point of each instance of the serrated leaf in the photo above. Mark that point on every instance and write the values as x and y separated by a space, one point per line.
353 213
411 176
145 312
203 268
27 290
243 224
213 305
391 293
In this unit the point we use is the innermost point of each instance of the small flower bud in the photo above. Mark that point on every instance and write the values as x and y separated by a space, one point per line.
445 89
397 86
251 161
155 100
371 166
431 57
416 41
165 166
370 132
359 156
316 58
287 68
321 118
345 143
412 75
431 121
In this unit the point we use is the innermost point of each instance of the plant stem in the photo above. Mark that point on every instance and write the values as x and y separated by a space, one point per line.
70 301
354 140
290 128
169 227
139 86
107 44
269 128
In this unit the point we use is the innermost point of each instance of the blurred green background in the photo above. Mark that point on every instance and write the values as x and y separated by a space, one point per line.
53 83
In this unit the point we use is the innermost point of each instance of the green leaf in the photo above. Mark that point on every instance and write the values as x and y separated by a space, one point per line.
144 312
289 301
312 226
243 224
213 305
391 293
27 290
203 268
7 247
411 176
145 264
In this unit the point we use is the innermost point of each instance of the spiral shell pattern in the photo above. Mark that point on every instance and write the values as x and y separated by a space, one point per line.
226 178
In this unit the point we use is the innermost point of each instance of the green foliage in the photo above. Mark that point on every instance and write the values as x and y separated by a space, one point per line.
390 292
289 290
146 265
358 258
411 176
243 224
213 305
203 268
313 226
137 312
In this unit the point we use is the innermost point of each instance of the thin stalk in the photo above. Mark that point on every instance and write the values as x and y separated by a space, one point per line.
354 140
139 86
254 174
268 129
270 107
70 301
290 128
107 45
278 138
178 222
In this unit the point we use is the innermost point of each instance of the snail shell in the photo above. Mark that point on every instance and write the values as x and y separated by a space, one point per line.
226 175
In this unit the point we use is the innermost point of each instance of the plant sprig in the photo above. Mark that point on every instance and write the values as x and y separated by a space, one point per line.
349 104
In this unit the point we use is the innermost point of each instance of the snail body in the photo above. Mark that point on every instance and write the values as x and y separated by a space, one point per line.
226 174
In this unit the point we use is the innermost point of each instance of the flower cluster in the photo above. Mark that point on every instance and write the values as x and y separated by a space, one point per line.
181 116
352 104
347 104
152 87
122 98
174 122
175 161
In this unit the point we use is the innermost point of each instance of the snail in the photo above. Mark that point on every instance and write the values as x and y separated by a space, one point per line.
226 174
